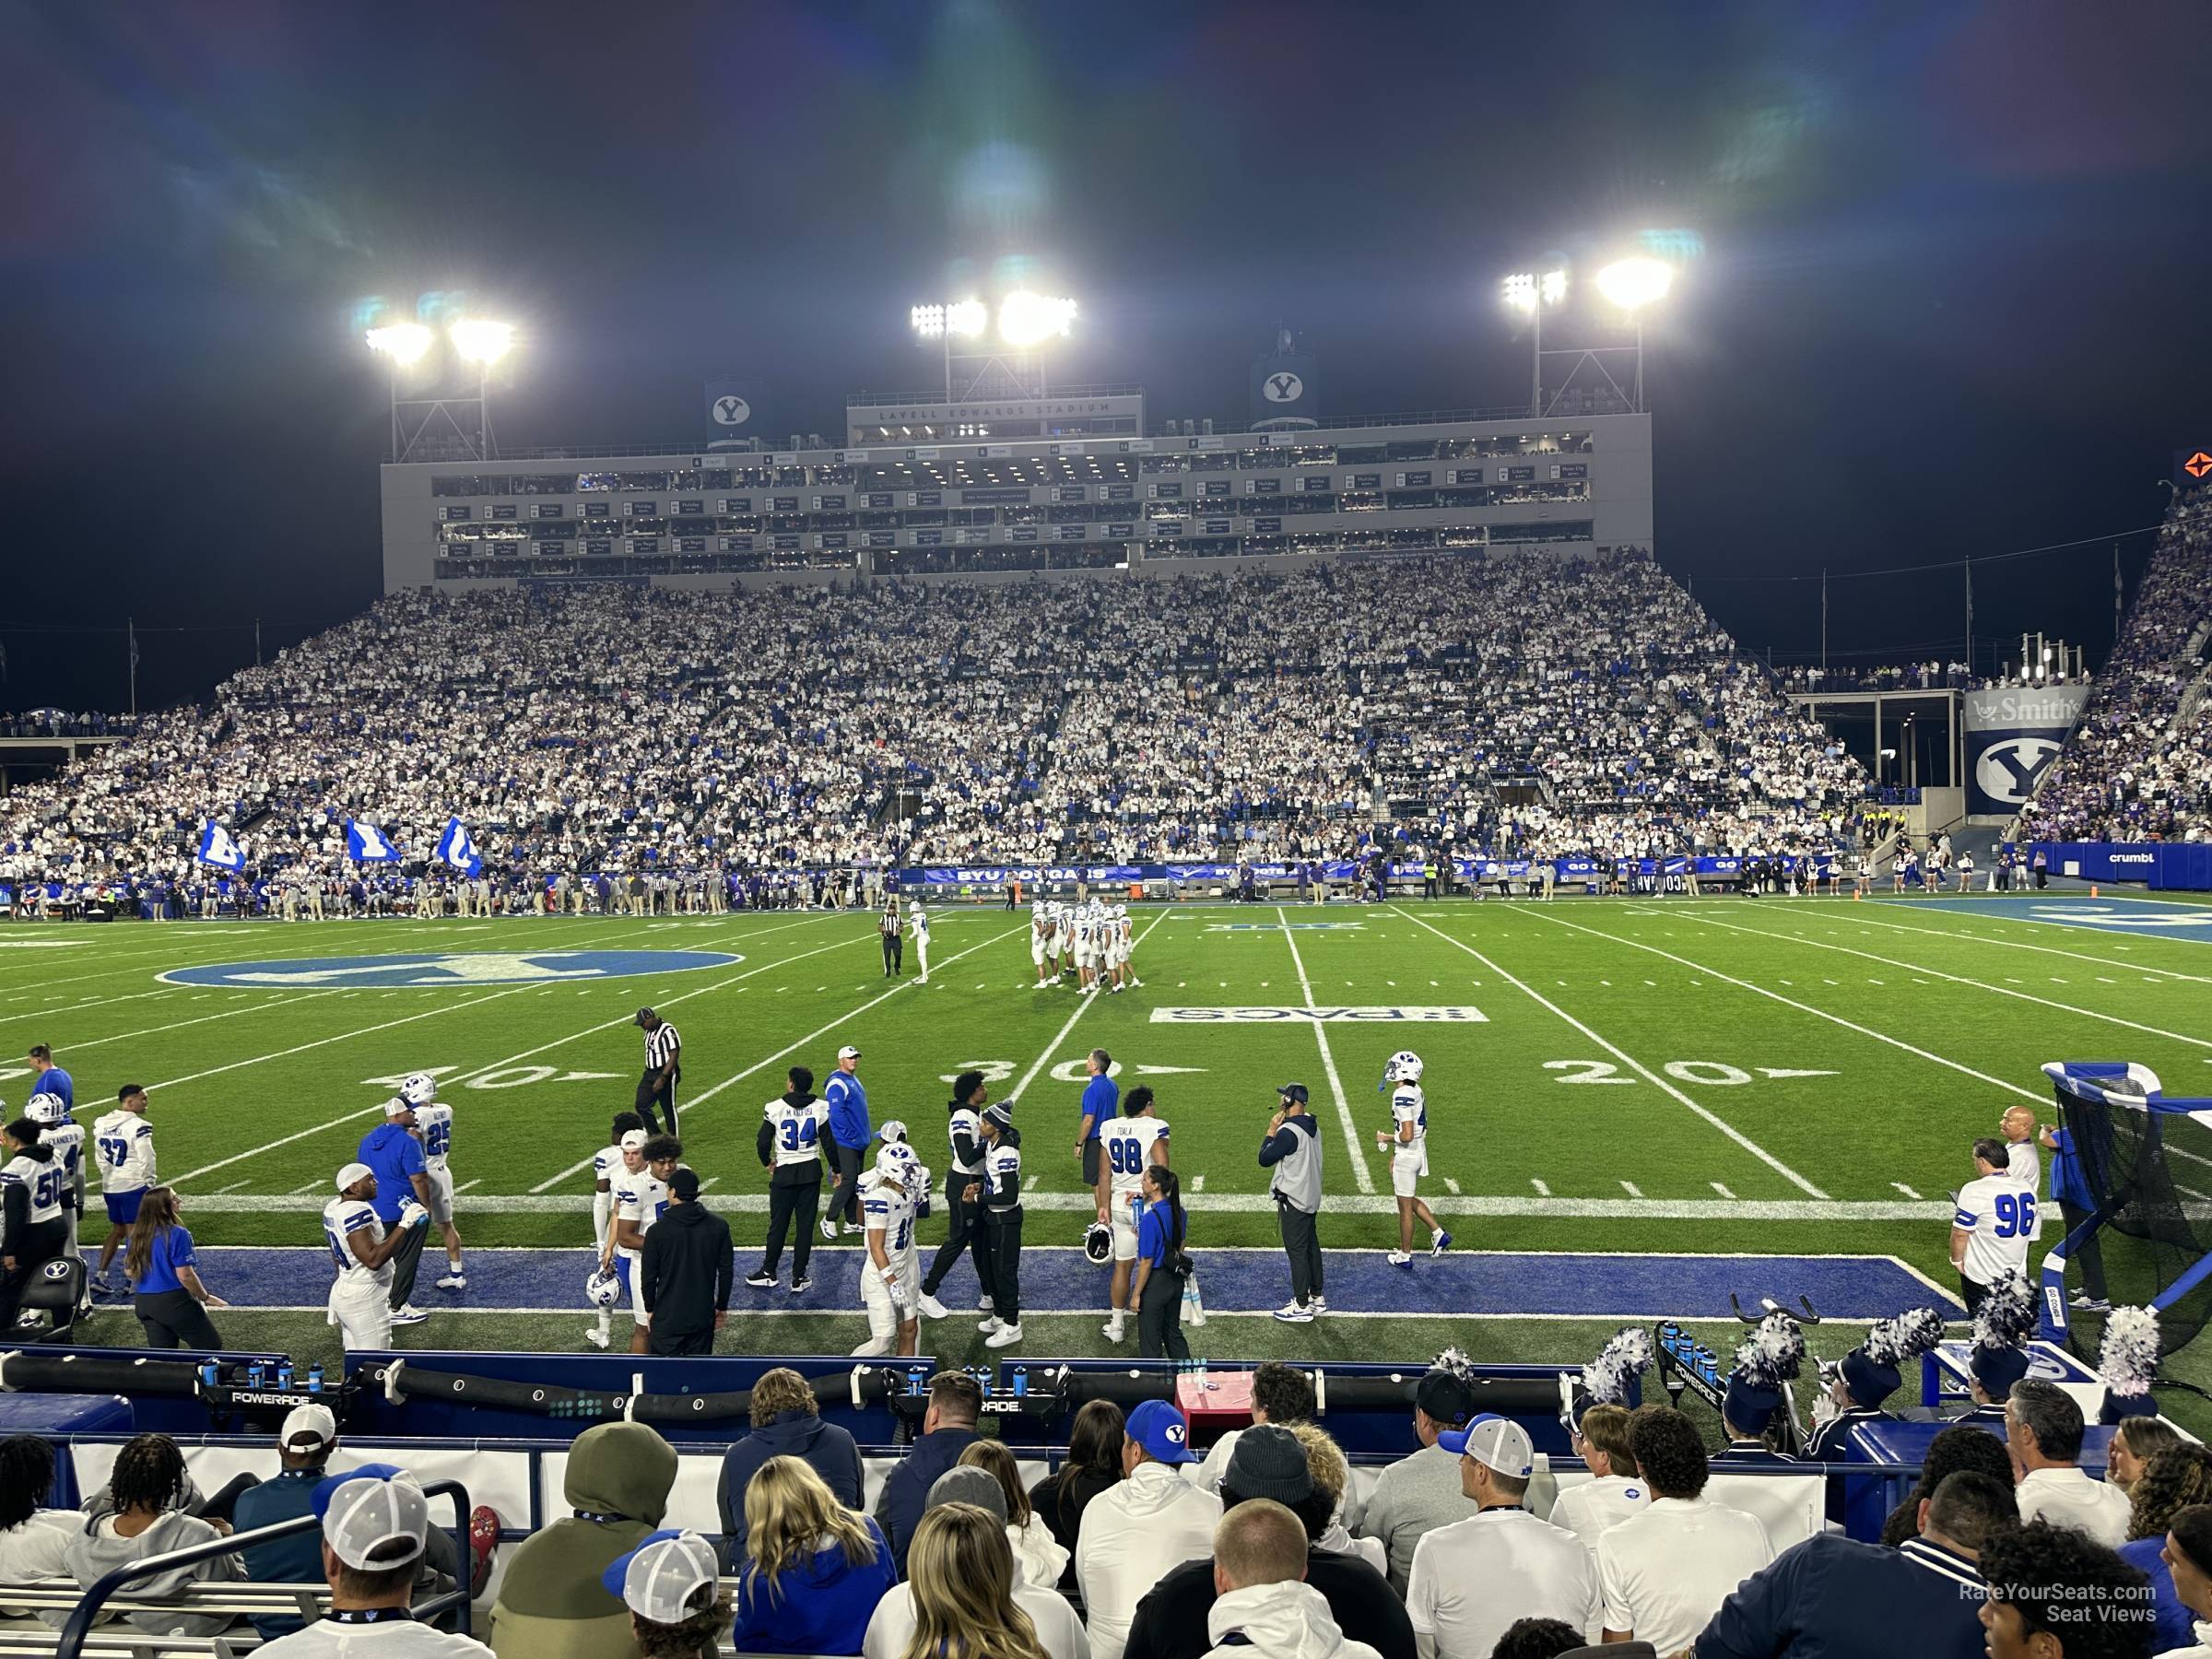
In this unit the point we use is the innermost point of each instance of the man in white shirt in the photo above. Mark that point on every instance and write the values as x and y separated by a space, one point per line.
1663 1574
1994 1224
1135 1532
1473 1578
2020 1129
376 1524
1591 1508
1415 1495
2044 1428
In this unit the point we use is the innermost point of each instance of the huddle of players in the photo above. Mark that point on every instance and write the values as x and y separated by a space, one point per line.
1091 940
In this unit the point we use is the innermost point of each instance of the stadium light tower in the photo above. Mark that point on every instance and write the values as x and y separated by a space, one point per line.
476 340
1633 286
956 320
1025 323
1531 292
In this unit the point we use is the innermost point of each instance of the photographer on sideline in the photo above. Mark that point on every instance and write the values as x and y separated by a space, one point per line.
1291 1148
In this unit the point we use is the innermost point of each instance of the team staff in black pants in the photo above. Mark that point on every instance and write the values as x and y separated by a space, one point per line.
170 1301
683 1274
965 1229
792 1129
1159 1236
656 1083
894 937
999 1192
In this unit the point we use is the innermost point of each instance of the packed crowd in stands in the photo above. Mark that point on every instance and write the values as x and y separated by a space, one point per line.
2139 765
1135 1547
1805 678
1215 715
61 723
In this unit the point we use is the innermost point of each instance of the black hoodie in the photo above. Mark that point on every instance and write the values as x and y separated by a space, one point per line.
808 1173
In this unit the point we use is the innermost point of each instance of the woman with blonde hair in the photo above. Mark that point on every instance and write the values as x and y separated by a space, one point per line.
961 1572
1040 1556
1331 1473
813 1571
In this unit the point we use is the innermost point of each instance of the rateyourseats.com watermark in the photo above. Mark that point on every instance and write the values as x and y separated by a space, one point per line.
2071 1604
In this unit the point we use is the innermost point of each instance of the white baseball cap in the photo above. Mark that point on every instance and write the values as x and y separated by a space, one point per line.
657 1580
306 1426
893 1130
848 1052
1495 1442
365 1509
633 1140
396 1106
351 1173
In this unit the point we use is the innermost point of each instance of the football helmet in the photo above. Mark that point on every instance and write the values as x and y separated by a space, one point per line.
897 1162
44 1109
1405 1066
601 1289
1098 1244
420 1090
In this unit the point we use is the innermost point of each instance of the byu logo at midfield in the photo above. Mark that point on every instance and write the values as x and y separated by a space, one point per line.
2009 771
1284 387
472 967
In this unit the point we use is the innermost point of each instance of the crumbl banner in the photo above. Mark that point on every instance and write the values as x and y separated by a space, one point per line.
2012 736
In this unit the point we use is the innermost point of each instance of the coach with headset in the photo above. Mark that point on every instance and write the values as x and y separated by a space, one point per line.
1292 1149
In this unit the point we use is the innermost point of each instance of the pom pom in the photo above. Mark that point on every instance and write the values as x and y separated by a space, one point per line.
1773 1353
1624 1357
2007 1314
2128 1361
1912 1334
1458 1363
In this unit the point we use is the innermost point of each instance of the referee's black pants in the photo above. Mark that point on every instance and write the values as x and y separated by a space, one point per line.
1159 1318
1301 1243
404 1261
652 1093
894 954
800 1202
1003 1228
964 1231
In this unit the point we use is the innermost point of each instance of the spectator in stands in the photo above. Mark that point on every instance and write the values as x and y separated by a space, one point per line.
552 1603
1280 1393
143 1518
32 1540
1474 1579
2188 1559
376 1526
303 1447
1332 1477
786 1423
1154 1520
1093 1463
1269 1463
947 1430
963 1598
1614 1491
2044 1429
2135 1441
1418 1494
812 1570
670 1584
1963 1448
1263 1606
1833 1594
1040 1556
2175 1479
1664 1572
2054 1593
1548 1639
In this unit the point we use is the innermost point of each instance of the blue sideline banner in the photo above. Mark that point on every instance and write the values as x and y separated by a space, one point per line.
2165 866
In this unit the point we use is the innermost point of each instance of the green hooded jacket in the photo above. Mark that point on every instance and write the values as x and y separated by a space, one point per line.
551 1604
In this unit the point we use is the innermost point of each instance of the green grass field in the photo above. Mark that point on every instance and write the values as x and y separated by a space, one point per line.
1792 1077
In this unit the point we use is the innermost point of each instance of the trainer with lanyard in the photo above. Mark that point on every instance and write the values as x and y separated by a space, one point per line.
656 1083
848 1144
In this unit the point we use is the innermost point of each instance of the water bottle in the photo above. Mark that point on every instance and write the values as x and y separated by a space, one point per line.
283 1375
1021 1380
314 1378
253 1374
1193 1308
209 1375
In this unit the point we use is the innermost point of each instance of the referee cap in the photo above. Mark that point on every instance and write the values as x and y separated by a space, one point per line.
351 1173
643 1015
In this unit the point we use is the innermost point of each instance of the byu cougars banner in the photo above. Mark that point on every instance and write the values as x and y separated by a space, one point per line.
455 848
365 843
219 848
2012 736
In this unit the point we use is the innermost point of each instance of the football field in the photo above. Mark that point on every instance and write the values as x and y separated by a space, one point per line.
1769 1097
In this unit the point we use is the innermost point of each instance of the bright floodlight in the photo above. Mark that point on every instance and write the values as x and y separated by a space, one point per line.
1524 289
928 321
1632 284
481 342
1026 319
967 317
401 342
1554 287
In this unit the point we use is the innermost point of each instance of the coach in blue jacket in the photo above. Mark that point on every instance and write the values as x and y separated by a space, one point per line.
849 1135
1831 1596
394 1154
947 1430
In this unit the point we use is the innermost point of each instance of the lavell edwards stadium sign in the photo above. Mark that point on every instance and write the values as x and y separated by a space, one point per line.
2012 738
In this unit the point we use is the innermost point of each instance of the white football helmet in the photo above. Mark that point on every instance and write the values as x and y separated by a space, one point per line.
897 1162
44 1109
420 1090
601 1289
1120 910
1405 1066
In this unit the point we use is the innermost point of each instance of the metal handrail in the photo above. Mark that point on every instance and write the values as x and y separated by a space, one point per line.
80 1627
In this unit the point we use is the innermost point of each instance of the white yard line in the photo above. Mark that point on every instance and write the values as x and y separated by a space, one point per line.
1726 1128
1982 938
1621 1316
1958 979
1328 1060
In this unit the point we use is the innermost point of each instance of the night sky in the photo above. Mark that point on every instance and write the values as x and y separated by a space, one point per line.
1952 296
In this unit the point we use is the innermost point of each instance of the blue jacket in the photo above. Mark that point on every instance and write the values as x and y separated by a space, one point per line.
2067 1183
906 1490
1832 1597
829 1451
823 1607
395 1155
1101 1101
2176 1626
286 1495
847 1109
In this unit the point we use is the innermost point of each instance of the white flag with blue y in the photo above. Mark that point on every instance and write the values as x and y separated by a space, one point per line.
455 848
365 843
219 847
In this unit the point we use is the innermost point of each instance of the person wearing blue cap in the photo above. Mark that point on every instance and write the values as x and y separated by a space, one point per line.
1999 1356
1133 1532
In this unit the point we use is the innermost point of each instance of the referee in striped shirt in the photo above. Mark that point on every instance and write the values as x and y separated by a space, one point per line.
656 1083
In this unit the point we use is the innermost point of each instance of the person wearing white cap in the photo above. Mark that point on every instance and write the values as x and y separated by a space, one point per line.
668 1583
361 1249
849 1133
917 923
1473 1578
376 1525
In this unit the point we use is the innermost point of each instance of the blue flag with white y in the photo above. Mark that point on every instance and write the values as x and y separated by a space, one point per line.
455 848
365 843
219 847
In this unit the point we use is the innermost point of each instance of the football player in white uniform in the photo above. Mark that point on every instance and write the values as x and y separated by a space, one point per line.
124 1142
1406 1140
891 1278
917 923
1129 1145
641 1199
1065 958
606 1165
1043 934
434 1128
66 1137
1121 943
361 1251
